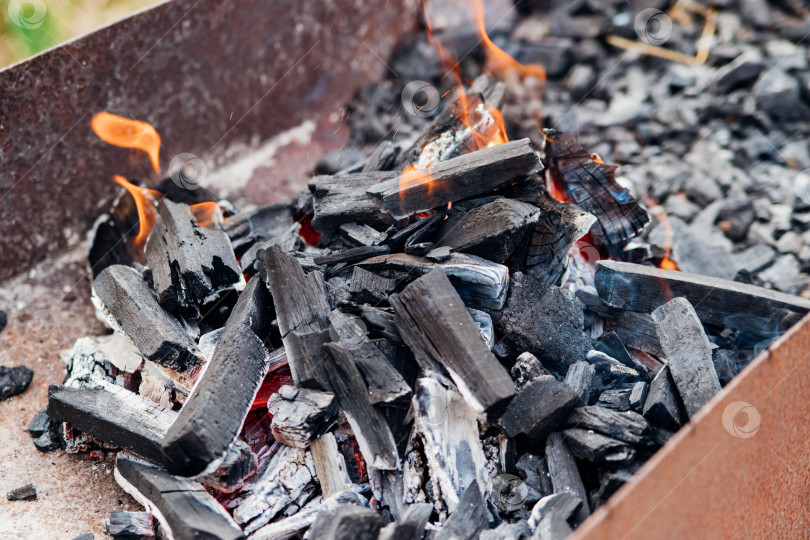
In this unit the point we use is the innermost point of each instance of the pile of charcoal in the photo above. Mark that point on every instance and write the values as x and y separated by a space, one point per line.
402 351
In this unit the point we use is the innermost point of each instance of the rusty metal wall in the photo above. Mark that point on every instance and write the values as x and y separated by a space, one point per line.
211 76
740 469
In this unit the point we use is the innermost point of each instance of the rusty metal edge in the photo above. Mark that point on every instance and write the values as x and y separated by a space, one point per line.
741 467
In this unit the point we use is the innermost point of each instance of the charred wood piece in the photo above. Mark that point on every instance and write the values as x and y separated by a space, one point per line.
592 186
617 399
662 406
527 367
597 448
302 308
628 426
347 521
353 255
368 287
25 493
448 429
544 320
411 526
544 253
434 323
190 264
420 228
638 394
40 424
580 377
385 384
373 434
205 428
612 345
468 519
562 467
114 415
329 467
362 235
180 505
689 353
552 512
458 178
295 525
301 415
636 330
491 231
238 464
539 408
718 302
264 223
343 199
481 283
156 333
130 525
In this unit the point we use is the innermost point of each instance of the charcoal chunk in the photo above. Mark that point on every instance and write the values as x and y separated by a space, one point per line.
14 381
25 493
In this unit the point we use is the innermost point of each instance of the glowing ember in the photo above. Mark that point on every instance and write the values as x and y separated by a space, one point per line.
128 133
270 386
145 200
666 263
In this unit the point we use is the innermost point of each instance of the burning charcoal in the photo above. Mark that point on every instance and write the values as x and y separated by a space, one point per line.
361 235
468 519
527 367
237 465
373 434
26 493
638 395
266 222
330 469
564 473
131 525
436 326
346 521
205 429
279 483
597 448
635 330
302 308
661 406
114 415
491 231
423 227
301 415
617 399
182 506
544 253
540 407
461 177
481 283
14 381
40 424
353 255
343 199
157 334
533 470
579 377
592 186
689 353
719 302
448 428
629 427
190 264
544 320
412 524
555 507
385 384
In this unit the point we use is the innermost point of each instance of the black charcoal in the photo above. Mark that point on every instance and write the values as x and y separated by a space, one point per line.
14 381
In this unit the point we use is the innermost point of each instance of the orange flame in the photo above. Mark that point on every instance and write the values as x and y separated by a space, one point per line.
145 200
128 133
499 62
411 176
666 263
207 214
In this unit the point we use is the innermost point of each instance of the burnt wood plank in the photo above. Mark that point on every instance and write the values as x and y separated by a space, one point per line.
181 506
662 406
205 428
156 333
352 255
114 415
434 323
458 178
373 434
689 353
564 473
301 415
190 264
302 307
718 302
343 199
592 186
627 426
598 448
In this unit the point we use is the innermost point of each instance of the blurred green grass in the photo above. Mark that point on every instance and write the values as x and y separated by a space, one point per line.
30 26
